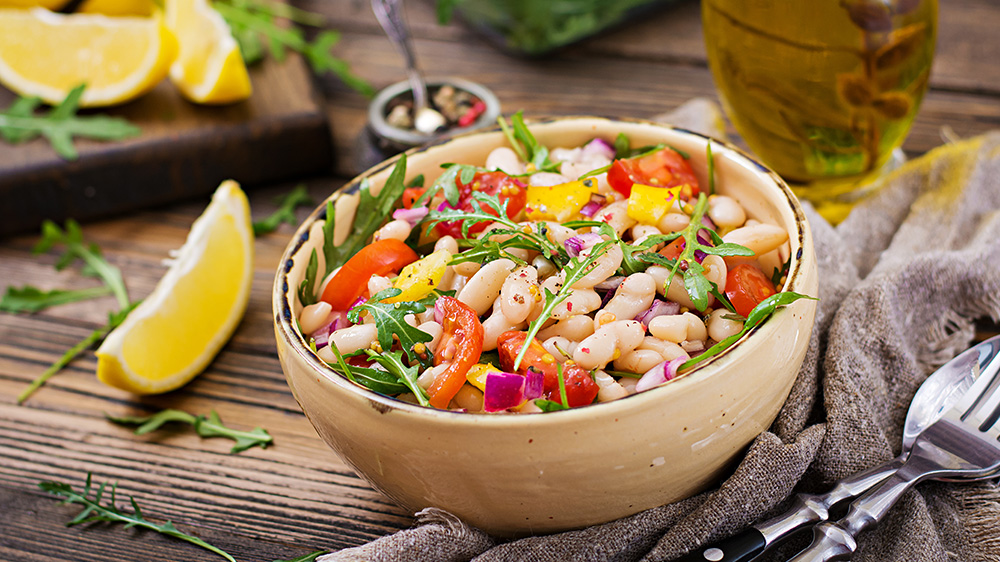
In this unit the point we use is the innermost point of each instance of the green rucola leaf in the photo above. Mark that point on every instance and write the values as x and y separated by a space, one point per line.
391 324
298 197
32 299
210 426
311 557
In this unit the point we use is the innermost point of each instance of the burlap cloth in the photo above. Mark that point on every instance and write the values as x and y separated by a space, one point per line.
902 281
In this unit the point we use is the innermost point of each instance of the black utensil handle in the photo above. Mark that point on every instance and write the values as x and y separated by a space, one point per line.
743 547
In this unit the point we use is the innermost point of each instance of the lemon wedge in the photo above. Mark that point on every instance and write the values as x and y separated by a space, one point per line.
176 331
209 68
46 55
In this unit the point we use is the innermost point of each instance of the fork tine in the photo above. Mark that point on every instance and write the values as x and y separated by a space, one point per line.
967 402
983 408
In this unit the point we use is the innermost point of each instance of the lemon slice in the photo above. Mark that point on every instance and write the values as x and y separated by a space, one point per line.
46 55
209 68
176 331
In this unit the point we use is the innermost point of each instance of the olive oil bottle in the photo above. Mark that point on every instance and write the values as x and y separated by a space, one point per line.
822 91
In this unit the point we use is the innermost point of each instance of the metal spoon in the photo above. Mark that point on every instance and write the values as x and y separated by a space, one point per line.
935 396
390 16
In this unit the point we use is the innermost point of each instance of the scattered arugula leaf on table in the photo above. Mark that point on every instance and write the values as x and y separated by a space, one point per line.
33 299
311 557
94 511
19 123
204 426
254 22
298 197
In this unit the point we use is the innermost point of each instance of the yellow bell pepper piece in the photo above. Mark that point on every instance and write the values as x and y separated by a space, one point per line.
559 202
477 374
418 279
647 204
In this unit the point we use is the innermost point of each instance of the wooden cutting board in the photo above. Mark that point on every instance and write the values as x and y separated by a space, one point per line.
185 150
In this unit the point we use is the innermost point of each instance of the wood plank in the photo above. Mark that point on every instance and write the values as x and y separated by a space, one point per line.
184 151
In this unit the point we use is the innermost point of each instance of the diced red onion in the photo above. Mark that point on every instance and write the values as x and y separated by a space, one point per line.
658 308
581 242
412 216
322 336
699 256
438 313
360 301
708 222
600 147
534 383
591 207
659 374
610 283
503 391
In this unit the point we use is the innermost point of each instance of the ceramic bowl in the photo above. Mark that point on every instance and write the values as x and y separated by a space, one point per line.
520 474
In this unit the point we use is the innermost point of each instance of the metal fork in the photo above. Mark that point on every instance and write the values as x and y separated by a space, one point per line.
964 443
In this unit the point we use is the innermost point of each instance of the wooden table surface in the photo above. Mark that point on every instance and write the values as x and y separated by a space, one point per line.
297 495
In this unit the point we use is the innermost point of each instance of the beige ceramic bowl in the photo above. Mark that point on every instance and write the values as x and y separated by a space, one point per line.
520 474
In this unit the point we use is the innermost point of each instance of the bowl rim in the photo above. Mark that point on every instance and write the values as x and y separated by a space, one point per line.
296 342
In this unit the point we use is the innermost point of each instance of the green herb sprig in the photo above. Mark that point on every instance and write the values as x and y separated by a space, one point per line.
33 299
576 269
95 511
298 197
551 405
19 123
391 324
524 144
204 426
376 380
311 557
254 23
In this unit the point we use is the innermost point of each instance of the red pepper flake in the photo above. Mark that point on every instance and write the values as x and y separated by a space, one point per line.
585 349
569 307
472 114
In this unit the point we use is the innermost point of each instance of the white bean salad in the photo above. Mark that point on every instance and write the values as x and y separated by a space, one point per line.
541 281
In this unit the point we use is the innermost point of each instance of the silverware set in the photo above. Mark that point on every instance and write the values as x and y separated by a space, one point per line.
951 433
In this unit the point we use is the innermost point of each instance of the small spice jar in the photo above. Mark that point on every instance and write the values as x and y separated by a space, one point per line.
466 106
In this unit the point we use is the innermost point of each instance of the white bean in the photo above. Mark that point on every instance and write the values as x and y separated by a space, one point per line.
446 243
435 330
720 328
313 317
602 346
715 271
616 215
552 284
546 179
641 231
628 383
469 398
576 169
349 340
517 295
426 379
558 233
505 160
726 212
580 301
696 328
760 238
638 361
676 291
560 348
378 283
397 230
496 324
604 266
575 328
671 328
484 287
668 350
673 222
466 269
543 266
608 387
634 295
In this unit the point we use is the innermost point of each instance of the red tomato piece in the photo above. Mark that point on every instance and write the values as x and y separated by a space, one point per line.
460 347
410 196
673 250
378 258
580 386
509 344
663 168
746 287
506 188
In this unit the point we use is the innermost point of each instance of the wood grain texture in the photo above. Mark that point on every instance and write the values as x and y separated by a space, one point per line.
279 133
297 496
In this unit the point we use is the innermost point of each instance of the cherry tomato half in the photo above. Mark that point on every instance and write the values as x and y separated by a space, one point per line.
746 286
673 250
663 168
506 188
410 196
378 258
580 386
460 347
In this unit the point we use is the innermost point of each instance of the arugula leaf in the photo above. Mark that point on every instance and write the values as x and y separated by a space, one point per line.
210 426
417 181
33 299
253 21
76 248
298 197
448 182
371 213
393 363
19 123
391 325
95 511
524 144
549 405
711 168
306 287
311 557
622 146
761 312
575 270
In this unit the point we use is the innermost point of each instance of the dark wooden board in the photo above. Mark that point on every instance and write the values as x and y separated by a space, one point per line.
184 150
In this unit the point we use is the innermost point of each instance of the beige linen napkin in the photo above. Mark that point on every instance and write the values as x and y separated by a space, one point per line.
902 281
